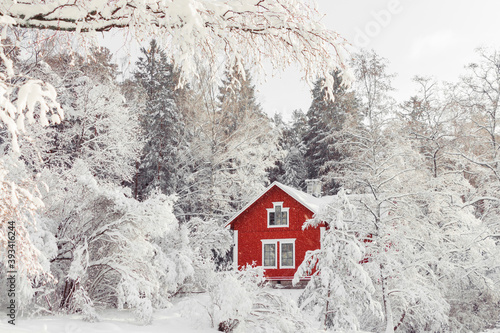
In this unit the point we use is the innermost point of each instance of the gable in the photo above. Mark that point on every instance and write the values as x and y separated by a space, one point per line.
307 201
255 217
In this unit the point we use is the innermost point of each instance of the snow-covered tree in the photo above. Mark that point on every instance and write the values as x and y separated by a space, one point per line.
231 146
479 95
20 250
382 167
21 98
416 209
476 150
247 134
284 32
431 119
112 249
99 127
324 118
339 285
291 169
467 258
23 102
161 123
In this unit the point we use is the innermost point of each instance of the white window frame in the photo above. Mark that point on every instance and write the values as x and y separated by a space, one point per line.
273 210
235 250
278 242
287 241
270 241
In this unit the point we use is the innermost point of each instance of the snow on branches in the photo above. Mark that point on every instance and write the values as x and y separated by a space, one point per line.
21 98
339 286
240 301
281 31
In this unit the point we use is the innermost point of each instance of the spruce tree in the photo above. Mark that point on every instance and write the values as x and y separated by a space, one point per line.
237 101
161 122
290 169
325 117
250 136
232 145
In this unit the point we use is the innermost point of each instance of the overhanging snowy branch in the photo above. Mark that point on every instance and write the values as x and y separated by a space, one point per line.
282 31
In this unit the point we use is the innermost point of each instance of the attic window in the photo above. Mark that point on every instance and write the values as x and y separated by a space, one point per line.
277 216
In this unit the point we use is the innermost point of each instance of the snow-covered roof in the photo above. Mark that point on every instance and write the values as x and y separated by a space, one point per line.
310 202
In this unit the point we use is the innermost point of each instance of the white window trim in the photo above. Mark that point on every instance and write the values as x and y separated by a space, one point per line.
270 241
273 210
235 249
275 242
287 241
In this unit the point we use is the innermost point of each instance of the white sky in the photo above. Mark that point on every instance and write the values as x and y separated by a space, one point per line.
425 37
419 37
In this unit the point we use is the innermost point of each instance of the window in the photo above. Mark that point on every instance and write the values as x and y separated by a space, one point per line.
286 253
277 216
269 254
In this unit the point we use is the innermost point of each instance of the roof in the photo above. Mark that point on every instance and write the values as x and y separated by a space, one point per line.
310 202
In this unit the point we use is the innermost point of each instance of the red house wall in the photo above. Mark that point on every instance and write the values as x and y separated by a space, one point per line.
252 228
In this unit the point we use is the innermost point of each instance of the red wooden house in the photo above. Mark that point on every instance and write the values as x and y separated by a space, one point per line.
268 230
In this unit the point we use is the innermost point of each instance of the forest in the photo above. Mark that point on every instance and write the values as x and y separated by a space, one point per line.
118 190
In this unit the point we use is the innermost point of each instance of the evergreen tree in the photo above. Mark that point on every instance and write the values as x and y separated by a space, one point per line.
325 117
98 126
161 123
248 132
237 101
232 145
291 168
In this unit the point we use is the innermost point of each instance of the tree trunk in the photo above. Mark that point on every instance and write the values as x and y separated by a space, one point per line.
327 309
389 328
69 288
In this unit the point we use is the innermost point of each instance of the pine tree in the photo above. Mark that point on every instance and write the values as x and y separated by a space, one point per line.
325 117
237 101
232 144
290 169
248 133
161 123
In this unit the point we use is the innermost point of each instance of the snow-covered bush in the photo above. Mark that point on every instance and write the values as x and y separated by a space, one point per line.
121 252
209 242
83 304
21 236
240 301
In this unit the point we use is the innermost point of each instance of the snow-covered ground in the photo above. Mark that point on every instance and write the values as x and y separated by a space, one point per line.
185 316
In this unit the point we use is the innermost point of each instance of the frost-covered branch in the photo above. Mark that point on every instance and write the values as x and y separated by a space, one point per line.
282 31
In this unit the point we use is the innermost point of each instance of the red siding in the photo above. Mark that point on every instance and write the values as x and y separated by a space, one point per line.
252 228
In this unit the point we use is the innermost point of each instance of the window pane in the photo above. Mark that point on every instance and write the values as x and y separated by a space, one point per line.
269 255
286 254
271 218
283 217
277 214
